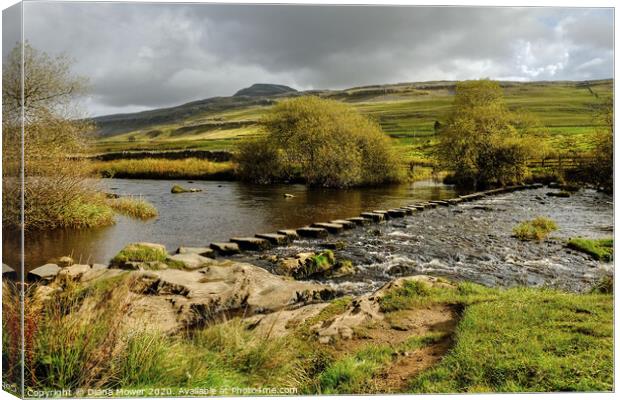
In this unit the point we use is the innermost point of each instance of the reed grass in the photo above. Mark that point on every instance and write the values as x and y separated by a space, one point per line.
156 168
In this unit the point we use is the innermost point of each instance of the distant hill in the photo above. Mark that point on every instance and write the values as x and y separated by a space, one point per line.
264 89
406 111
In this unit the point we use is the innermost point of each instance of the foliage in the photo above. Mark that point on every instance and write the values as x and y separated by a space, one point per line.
479 142
599 249
536 229
603 164
133 207
52 131
323 142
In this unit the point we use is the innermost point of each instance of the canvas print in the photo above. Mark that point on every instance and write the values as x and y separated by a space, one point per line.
285 200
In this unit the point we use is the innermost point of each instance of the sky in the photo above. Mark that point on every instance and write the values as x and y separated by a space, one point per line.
143 56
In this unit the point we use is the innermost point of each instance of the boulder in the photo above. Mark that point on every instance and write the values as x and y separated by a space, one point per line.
275 239
75 271
385 214
225 248
201 251
179 189
188 261
251 243
140 255
44 273
312 232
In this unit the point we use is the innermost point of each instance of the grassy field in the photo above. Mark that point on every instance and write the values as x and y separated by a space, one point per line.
406 112
519 339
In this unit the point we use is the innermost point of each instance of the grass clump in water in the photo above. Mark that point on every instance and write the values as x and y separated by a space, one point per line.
537 229
134 207
599 249
141 252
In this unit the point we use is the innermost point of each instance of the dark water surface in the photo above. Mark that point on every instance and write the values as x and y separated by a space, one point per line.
220 211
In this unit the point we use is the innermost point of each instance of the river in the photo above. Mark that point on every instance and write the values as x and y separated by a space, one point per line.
222 210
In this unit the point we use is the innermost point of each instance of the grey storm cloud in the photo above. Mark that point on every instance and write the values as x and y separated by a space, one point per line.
141 56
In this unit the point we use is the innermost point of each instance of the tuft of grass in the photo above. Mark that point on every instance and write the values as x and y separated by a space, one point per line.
403 297
140 253
537 229
83 213
353 374
157 168
599 249
134 207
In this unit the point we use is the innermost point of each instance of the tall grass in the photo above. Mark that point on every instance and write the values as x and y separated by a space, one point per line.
537 229
135 207
156 168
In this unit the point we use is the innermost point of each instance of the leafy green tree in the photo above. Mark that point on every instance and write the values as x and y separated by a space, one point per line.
479 142
322 142
603 161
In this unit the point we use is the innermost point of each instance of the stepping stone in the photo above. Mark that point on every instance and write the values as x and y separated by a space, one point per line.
418 207
440 202
359 220
383 212
251 243
191 260
373 216
430 205
345 224
44 272
406 210
291 234
331 228
277 239
396 213
201 251
311 232
225 248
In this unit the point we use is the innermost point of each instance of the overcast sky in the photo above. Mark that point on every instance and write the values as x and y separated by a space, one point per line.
141 56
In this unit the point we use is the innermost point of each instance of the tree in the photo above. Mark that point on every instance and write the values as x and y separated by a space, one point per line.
603 160
479 143
323 142
55 194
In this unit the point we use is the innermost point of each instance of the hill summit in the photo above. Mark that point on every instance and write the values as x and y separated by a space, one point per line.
265 89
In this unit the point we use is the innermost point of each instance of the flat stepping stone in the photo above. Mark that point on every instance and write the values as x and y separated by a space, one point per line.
454 201
417 207
277 239
291 234
345 224
44 272
251 243
225 248
383 212
331 228
359 220
406 210
201 251
394 213
312 232
430 205
440 202
373 216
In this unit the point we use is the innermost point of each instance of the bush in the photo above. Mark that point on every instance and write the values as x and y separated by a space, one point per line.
479 143
536 229
321 142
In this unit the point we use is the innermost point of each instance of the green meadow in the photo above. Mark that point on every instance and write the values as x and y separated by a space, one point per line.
406 112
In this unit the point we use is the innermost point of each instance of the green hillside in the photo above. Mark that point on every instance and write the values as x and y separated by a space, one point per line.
407 112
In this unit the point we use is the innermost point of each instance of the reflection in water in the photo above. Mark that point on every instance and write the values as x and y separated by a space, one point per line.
220 211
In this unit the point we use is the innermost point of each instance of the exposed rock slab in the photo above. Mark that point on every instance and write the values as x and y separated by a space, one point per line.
312 232
276 239
201 251
251 243
44 272
225 248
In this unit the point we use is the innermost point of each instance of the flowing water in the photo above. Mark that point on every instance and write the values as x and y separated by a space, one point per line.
222 210
472 241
